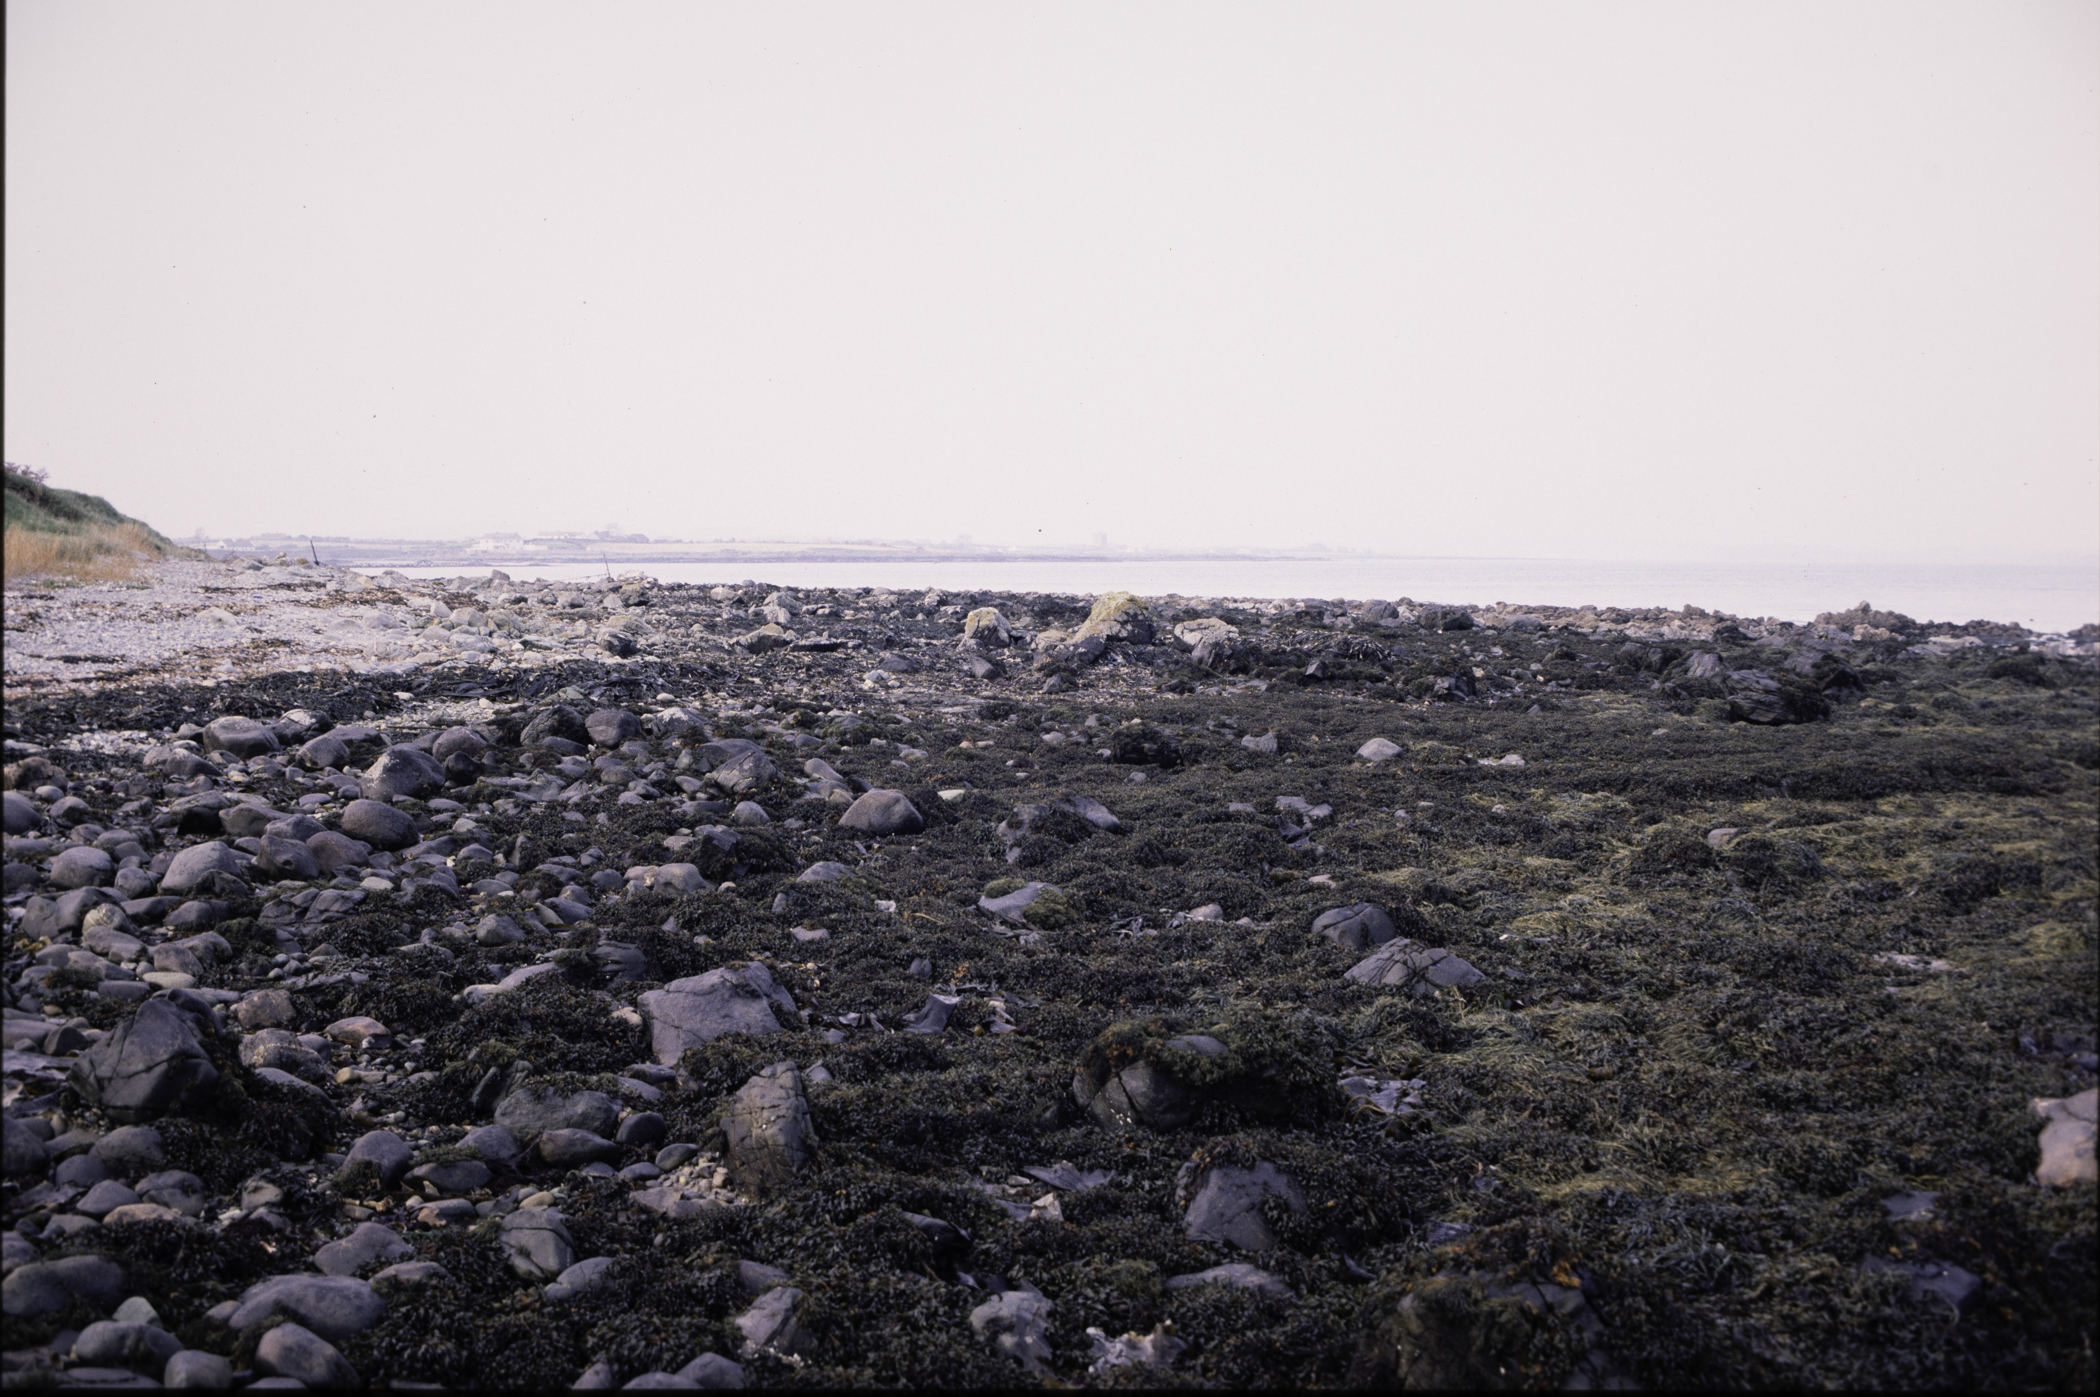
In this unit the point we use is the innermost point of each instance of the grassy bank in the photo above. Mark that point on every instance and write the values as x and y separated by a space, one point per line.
63 532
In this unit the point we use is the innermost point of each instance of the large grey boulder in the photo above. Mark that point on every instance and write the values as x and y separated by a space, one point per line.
324 751
294 1351
41 1287
769 1129
286 859
143 1348
25 1150
1228 1202
537 1243
609 727
335 1307
378 824
194 867
530 1111
196 1368
146 1066
1357 927
402 771
1420 970
1017 1323
686 1013
559 721
82 866
131 1150
883 812
771 1323
744 772
22 816
368 1245
386 1152
456 742
244 737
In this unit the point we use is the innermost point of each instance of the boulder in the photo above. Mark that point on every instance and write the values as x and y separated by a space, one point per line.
82 866
452 1179
1378 749
402 771
40 1287
335 1307
369 1245
146 1066
22 816
771 1324
197 865
559 721
1117 616
294 1351
495 1144
609 727
386 1152
987 627
2067 1139
195 1368
529 1111
768 1125
131 1150
143 1348
572 1149
378 824
1228 1203
686 1013
1356 927
453 742
1421 970
244 737
537 1243
25 1156
286 859
318 753
1017 1322
334 851
881 812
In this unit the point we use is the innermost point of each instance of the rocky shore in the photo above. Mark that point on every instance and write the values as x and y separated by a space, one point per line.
488 984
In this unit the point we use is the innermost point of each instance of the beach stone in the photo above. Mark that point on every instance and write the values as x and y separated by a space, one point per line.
458 742
1379 749
334 851
287 859
386 1152
320 753
22 816
24 1150
268 1008
457 1177
687 1013
576 1280
82 867
41 1287
745 772
883 812
987 627
246 819
531 1111
1422 971
1017 1322
495 1144
497 930
2067 1139
824 871
335 1307
412 1273
143 1348
173 1188
378 824
244 737
103 1198
771 1323
370 1243
1227 1205
402 771
537 1243
1356 927
147 1065
609 727
558 721
192 868
769 1129
1234 1273
196 1368
294 1351
713 1371
570 1149
642 1130
131 1150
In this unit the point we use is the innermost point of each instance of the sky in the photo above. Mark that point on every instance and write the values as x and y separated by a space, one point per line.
1611 280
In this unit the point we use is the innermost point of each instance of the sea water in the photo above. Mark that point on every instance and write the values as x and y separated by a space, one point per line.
2041 597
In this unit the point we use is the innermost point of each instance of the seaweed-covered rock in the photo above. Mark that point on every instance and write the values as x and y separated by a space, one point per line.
1462 1331
770 1133
882 812
537 1243
1356 927
1420 970
772 1325
1227 1206
687 1013
147 1066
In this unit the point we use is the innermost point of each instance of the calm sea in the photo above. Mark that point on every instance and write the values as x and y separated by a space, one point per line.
2042 597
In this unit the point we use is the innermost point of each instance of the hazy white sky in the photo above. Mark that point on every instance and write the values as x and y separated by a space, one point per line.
1608 279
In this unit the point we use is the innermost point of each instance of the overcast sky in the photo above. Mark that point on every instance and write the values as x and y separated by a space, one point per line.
1604 279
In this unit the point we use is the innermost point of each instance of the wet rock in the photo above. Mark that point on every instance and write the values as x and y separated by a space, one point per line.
293 1351
196 1368
146 1066
244 737
1228 1204
1356 927
402 771
529 1111
103 1198
82 867
42 1287
609 727
712 1370
334 851
1422 971
24 1150
387 1153
559 721
537 1243
131 1150
495 1144
320 753
571 1149
1929 1279
195 867
143 1348
22 816
454 1178
771 1324
1465 1332
769 1130
883 812
335 1307
583 1277
286 859
370 1244
2067 1139
457 742
687 1013
375 823
642 1130
1017 1322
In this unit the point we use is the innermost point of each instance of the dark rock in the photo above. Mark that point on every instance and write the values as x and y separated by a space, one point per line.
41 1287
1422 971
286 859
458 1177
882 812
455 742
131 1150
643 1130
1356 927
386 1152
300 827
24 1150
402 771
769 1129
333 851
22 816
196 867
559 721
378 824
570 1149
609 727
196 1368
1228 1202
82 867
537 1243
335 1307
294 1351
530 1111
495 1144
143 1348
244 737
771 1324
146 1066
687 1013
370 1244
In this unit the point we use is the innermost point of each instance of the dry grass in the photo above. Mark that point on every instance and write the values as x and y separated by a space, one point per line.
91 555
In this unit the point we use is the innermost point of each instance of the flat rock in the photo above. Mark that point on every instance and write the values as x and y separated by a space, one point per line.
1227 1205
687 1013
335 1307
